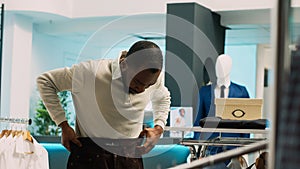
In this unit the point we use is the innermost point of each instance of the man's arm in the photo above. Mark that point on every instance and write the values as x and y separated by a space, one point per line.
152 136
161 102
68 134
49 84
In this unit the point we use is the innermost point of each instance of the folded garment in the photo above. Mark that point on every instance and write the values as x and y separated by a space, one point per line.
218 122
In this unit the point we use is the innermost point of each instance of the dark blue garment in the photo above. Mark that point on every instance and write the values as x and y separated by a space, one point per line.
206 108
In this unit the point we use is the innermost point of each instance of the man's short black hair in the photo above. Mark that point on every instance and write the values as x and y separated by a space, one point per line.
146 54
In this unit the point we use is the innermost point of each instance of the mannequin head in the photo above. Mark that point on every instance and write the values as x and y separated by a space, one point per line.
223 69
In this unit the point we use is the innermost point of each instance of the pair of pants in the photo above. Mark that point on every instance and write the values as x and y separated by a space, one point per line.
105 154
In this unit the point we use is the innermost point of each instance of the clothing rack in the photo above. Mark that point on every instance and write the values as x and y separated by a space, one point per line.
221 157
218 141
16 120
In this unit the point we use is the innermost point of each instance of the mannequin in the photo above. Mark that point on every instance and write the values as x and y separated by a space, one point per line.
223 69
207 95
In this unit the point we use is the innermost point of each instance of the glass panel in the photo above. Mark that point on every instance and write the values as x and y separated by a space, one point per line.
288 115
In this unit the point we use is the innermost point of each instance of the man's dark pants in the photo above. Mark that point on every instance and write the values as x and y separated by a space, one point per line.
105 154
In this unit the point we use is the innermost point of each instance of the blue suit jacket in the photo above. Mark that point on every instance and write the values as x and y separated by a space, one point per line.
206 106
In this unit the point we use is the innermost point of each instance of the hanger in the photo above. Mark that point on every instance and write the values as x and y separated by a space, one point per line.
3 133
27 136
15 133
8 132
19 132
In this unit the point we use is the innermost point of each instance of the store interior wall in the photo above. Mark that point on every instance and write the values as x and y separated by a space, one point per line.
77 8
16 67
243 66
264 77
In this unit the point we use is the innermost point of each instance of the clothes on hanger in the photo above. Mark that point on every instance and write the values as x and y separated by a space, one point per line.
18 149
238 163
260 162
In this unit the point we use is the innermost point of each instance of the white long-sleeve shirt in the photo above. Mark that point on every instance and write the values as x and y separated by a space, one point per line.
15 152
103 108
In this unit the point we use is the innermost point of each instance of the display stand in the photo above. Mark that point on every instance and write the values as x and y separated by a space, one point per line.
218 141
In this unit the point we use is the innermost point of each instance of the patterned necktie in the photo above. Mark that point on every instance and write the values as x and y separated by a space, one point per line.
222 95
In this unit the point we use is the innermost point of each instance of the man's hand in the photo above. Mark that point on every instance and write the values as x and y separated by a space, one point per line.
68 135
152 137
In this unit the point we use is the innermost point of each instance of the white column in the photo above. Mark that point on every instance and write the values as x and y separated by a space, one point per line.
16 67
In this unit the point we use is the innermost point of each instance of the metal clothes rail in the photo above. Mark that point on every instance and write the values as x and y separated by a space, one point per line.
217 130
16 120
222 141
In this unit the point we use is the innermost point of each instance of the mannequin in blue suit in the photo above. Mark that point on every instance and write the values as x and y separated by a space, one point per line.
206 106
207 95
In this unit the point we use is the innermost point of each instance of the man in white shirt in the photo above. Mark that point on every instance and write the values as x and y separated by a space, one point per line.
109 98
